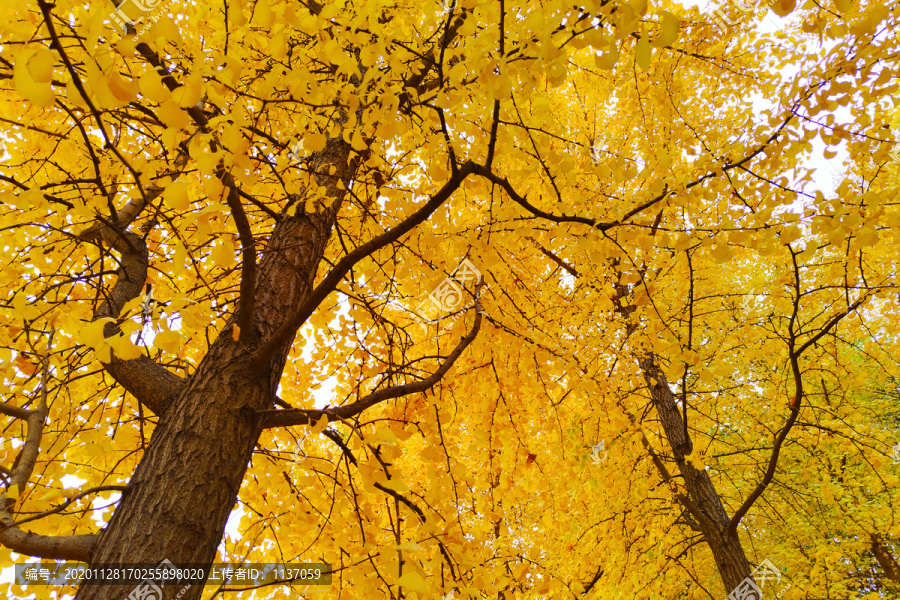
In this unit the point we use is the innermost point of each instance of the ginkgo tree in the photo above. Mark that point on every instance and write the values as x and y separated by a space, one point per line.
231 210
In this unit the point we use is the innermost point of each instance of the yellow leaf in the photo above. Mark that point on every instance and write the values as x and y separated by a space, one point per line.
413 581
334 53
357 142
236 14
152 88
432 453
73 95
844 5
176 195
104 97
782 8
29 368
668 30
40 66
179 259
314 142
190 93
408 546
223 255
172 115
92 333
385 436
722 253
94 450
642 53
682 243
263 14
168 341
122 89
37 92
235 333
123 348
320 425
790 234
278 45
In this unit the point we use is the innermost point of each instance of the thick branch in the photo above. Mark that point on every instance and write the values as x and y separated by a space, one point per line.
524 203
330 282
286 418
64 505
885 558
25 462
248 254
72 547
66 547
17 412
795 404
150 383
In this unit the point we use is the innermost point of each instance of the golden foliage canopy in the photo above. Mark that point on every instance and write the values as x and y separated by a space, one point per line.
630 180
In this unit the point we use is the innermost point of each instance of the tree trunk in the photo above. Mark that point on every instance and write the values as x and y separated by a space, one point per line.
884 557
182 492
712 518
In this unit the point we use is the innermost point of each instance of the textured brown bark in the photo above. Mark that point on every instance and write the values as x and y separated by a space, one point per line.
703 501
178 501
885 558
713 519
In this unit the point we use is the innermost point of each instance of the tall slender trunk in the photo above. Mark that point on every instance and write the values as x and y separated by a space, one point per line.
703 501
713 519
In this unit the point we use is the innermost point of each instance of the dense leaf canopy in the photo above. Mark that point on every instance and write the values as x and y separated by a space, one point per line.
659 208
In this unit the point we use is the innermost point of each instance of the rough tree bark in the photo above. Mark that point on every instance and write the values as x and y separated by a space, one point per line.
702 501
884 557
708 510
177 503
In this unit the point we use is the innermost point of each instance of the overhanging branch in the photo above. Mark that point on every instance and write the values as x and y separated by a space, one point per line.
286 418
152 384
330 282
77 547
